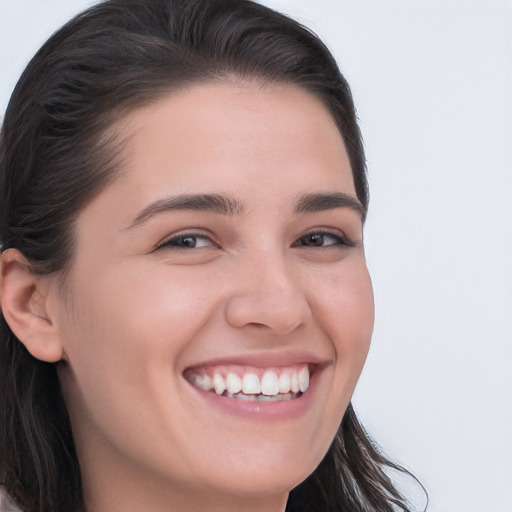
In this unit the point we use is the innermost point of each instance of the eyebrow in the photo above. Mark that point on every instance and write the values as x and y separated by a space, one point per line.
321 201
215 203
226 205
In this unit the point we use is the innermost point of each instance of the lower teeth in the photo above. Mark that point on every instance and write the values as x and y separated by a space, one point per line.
262 398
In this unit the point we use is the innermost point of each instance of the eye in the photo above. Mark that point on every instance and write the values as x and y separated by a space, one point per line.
321 239
187 241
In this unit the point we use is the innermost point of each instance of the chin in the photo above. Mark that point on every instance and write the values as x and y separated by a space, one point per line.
263 475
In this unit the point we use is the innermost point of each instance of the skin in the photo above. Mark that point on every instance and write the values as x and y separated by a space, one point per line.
136 309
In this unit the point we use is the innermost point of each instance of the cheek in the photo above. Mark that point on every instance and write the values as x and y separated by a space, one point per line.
356 320
130 329
125 324
343 303
124 339
128 308
344 309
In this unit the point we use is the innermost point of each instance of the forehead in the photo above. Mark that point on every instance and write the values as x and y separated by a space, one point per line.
209 129
264 146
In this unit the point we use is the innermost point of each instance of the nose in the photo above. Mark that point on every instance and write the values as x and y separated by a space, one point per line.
269 295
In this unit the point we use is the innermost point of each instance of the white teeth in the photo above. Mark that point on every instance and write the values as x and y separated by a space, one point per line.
285 382
270 383
272 386
295 386
233 383
203 382
304 379
251 384
219 384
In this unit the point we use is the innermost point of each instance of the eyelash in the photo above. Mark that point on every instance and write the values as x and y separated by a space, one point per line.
340 240
176 241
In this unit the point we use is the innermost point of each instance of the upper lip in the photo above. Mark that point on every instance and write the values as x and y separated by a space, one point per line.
265 359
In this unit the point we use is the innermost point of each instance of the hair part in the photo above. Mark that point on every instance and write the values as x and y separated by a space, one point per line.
58 150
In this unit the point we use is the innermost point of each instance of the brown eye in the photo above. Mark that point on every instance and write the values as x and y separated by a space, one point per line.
184 241
313 240
187 241
321 240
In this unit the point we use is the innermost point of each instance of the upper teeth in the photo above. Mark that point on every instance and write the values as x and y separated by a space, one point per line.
251 384
233 383
271 383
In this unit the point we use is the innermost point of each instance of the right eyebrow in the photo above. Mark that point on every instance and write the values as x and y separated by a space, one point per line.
321 201
215 203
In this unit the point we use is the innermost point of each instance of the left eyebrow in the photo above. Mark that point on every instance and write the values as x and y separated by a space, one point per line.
321 201
215 203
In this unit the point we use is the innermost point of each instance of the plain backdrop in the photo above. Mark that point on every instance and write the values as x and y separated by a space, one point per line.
432 80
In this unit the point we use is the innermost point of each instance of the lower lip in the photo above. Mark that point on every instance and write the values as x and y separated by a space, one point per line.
262 410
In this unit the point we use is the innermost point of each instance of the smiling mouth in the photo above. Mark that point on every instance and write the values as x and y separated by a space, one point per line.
253 384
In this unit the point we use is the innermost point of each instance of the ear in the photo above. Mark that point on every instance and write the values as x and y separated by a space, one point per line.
24 297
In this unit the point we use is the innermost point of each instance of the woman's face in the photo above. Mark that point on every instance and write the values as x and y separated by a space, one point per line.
228 252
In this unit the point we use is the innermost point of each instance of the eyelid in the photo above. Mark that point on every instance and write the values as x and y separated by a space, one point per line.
196 233
343 239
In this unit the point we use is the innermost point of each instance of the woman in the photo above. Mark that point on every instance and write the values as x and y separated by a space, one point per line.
186 305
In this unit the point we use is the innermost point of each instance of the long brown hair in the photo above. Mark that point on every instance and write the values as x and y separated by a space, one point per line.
54 157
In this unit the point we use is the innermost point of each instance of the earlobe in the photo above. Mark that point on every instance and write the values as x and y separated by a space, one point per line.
24 300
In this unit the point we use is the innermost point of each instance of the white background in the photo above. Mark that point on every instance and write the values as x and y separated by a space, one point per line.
432 80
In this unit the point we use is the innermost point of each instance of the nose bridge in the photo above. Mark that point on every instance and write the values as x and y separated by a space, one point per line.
268 293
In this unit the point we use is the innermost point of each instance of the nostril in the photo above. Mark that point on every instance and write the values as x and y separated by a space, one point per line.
258 325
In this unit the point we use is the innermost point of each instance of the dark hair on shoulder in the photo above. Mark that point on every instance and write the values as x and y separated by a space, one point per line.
57 151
